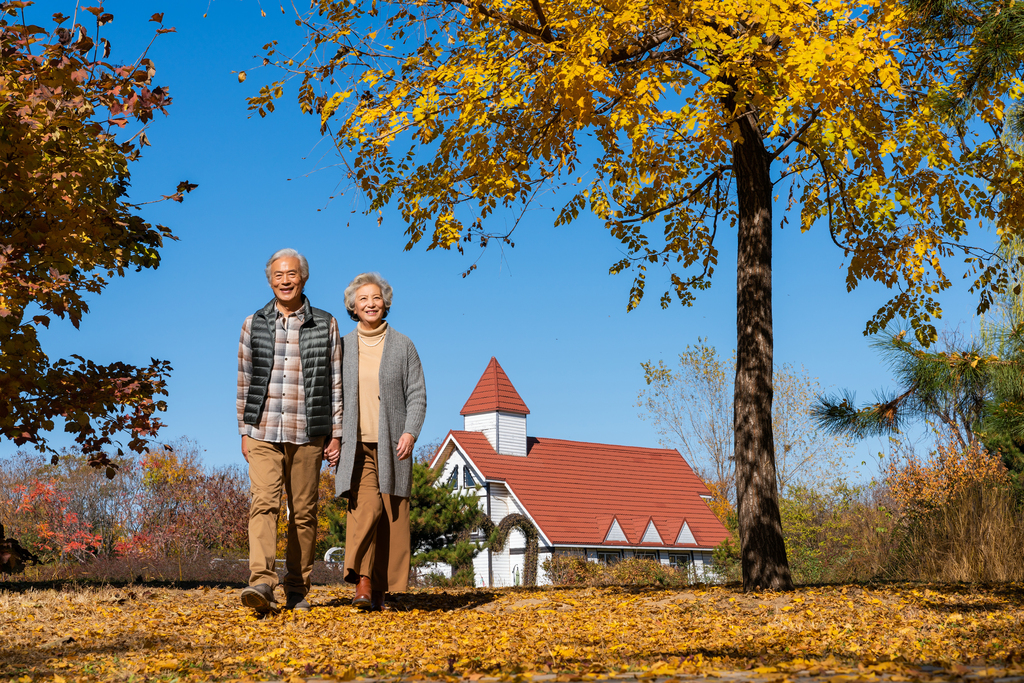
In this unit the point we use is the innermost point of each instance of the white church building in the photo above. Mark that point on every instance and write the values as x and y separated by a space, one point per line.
600 501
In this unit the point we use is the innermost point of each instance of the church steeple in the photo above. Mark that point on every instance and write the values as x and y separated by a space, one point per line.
496 409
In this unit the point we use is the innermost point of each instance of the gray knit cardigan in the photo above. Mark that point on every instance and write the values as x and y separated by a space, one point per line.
403 406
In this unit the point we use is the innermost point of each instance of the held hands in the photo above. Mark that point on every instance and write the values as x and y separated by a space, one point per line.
405 444
332 451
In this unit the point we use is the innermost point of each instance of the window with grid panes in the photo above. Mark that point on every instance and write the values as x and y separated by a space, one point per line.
679 559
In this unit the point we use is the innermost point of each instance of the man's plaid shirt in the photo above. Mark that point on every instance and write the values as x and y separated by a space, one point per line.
284 410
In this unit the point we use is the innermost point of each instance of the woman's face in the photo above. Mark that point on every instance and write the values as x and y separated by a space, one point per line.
369 306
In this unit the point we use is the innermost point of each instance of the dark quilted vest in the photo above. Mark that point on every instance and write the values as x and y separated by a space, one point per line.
316 366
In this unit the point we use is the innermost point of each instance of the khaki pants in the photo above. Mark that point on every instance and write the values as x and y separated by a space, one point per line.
376 529
296 470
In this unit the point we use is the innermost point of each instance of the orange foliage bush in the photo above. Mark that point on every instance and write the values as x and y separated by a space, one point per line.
918 487
956 520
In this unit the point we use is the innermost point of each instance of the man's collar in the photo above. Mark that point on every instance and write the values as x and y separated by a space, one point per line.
304 313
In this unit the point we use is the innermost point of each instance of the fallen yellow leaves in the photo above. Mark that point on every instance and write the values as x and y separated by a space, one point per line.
853 632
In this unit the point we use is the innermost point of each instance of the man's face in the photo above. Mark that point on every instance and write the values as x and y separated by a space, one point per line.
286 281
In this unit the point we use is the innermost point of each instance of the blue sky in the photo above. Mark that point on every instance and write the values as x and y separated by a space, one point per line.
547 309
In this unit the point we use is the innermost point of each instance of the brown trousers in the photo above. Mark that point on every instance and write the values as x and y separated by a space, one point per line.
296 470
377 528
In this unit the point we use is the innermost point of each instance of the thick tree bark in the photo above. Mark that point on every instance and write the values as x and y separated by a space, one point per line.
762 547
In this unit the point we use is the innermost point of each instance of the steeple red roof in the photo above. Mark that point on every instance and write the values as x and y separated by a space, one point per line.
494 392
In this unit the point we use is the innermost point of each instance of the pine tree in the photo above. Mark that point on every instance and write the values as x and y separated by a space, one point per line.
441 521
973 391
994 30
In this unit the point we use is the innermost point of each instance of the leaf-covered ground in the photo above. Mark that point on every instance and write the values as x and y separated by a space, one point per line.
140 633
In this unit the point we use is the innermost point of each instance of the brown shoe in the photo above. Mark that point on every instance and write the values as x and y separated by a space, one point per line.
260 598
362 596
376 601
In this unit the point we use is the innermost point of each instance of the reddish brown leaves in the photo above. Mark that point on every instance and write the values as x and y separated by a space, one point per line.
65 166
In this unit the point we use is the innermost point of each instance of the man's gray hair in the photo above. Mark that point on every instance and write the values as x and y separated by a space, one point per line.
290 253
367 279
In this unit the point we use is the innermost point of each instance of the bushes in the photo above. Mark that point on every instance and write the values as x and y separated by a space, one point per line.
642 572
576 570
951 517
571 570
957 518
463 578
49 528
828 532
161 504
183 508
920 487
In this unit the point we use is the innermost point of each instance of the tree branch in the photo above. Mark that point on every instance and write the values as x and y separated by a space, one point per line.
545 30
717 173
624 52
792 138
512 23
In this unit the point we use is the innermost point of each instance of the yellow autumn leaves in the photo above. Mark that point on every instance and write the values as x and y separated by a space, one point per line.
456 111
496 94
204 634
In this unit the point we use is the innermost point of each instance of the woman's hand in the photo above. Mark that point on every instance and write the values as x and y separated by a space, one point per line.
405 444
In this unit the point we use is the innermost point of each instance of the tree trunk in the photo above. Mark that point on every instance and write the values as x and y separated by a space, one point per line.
762 548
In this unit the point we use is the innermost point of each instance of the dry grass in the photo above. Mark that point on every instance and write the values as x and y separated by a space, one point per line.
978 536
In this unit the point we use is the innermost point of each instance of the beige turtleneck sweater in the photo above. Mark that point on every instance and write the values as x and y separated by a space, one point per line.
371 348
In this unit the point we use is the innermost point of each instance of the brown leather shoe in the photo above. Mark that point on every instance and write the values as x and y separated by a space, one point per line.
362 596
376 601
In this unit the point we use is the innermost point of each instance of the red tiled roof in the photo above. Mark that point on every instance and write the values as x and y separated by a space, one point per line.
494 392
574 489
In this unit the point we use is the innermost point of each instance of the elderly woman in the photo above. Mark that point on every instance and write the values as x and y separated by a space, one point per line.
385 401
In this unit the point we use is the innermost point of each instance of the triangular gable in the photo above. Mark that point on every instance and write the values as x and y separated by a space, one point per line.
451 446
494 393
615 533
651 534
443 452
685 536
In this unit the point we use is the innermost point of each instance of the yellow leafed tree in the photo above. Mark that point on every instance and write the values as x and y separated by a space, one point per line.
669 121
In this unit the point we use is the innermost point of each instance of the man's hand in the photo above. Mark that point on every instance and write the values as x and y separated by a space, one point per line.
245 447
332 451
405 444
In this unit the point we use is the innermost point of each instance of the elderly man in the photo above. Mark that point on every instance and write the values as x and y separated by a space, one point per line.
289 416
